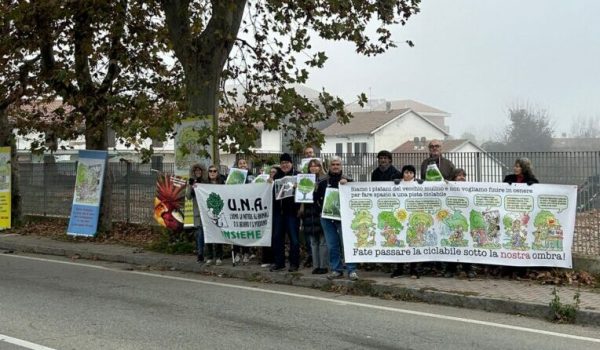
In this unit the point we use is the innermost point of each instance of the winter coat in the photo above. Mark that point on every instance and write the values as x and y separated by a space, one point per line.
445 165
190 194
390 174
512 178
311 217
331 180
288 205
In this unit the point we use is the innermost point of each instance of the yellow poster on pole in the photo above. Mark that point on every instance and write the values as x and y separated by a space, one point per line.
5 188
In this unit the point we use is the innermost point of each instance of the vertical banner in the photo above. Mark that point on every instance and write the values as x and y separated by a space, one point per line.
187 153
169 202
88 192
236 214
487 223
5 188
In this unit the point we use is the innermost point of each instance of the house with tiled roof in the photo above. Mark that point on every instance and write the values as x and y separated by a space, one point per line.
460 152
372 131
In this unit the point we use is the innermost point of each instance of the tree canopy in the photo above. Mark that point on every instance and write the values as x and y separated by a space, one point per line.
261 47
121 64
529 130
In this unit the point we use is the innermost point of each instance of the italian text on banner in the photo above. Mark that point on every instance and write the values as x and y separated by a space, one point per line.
487 223
88 192
5 188
236 214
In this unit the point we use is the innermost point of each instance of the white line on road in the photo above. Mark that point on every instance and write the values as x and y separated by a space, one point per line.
23 343
339 302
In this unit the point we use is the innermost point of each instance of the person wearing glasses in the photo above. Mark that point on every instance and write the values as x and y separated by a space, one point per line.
214 251
196 178
435 156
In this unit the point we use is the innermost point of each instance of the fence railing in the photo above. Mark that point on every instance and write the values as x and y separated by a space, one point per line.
47 188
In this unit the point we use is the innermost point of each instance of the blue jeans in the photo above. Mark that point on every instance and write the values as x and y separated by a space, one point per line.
282 224
333 236
199 232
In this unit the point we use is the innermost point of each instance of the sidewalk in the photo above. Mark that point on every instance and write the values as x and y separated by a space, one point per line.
505 296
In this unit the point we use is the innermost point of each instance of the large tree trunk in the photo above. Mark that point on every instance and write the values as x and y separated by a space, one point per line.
202 101
203 57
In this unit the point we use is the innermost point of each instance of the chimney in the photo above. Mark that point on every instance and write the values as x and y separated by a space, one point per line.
388 106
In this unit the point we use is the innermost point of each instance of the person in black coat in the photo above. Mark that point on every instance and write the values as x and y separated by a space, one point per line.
523 173
310 213
385 171
285 221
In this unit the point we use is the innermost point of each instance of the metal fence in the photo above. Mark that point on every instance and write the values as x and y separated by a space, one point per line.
47 188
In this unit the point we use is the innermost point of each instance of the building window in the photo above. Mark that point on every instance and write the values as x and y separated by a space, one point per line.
339 148
360 147
349 147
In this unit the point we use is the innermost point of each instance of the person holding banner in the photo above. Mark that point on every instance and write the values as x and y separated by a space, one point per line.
460 175
445 166
243 253
310 213
333 228
190 194
309 152
266 254
415 269
214 250
385 171
285 220
523 173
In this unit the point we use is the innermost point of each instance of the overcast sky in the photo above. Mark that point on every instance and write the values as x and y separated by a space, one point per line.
477 58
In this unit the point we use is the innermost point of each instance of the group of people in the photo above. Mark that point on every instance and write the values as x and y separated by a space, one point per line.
323 236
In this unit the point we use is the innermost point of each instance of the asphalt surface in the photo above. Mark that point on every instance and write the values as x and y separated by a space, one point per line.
61 304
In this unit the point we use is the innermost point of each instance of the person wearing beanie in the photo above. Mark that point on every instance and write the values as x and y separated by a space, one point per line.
385 171
285 158
285 221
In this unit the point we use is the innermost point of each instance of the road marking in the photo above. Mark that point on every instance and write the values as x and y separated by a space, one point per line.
23 343
329 300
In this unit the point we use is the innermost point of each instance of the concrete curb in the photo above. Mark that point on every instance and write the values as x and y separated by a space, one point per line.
364 286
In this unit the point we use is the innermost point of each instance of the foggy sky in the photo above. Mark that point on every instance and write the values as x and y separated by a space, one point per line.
477 58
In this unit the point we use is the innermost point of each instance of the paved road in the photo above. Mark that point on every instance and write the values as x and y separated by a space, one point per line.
58 304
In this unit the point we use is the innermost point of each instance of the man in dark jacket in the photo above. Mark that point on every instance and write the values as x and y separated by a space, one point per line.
285 220
385 171
333 228
435 156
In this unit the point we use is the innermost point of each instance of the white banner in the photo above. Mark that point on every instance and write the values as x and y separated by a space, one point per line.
236 214
488 223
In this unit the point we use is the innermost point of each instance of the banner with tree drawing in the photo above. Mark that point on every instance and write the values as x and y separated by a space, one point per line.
488 223
236 214
88 191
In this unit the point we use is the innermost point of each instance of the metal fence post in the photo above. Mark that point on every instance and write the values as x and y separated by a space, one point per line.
128 193
478 167
45 187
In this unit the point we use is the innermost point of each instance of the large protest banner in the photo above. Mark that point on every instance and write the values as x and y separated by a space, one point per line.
5 188
88 192
490 223
236 214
